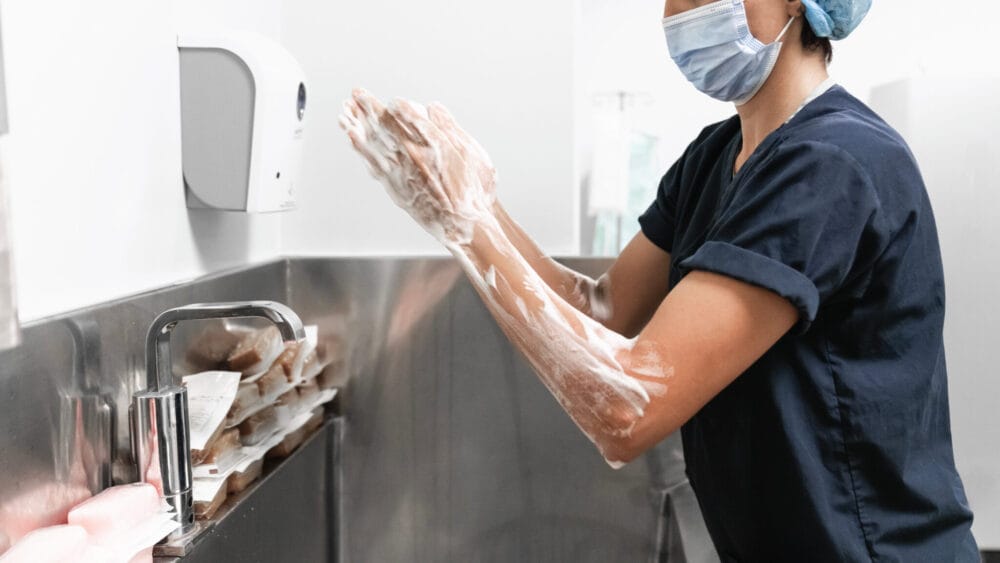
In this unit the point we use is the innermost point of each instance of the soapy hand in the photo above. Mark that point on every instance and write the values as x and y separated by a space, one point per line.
431 167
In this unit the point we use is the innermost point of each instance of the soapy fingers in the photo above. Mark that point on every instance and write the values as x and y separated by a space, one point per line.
433 173
437 125
442 167
472 152
380 139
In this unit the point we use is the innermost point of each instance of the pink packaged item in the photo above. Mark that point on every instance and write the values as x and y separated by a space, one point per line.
115 510
39 507
100 554
55 544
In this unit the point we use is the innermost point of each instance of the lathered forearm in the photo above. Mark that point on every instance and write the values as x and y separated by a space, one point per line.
445 181
586 294
593 372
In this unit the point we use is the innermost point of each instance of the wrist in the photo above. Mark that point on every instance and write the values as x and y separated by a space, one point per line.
497 209
484 237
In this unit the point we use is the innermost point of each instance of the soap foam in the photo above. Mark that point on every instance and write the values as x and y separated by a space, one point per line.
444 179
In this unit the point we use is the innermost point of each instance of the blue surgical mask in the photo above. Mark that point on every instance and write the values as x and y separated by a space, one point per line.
715 50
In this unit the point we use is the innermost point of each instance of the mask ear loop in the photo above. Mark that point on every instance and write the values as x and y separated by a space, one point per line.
786 28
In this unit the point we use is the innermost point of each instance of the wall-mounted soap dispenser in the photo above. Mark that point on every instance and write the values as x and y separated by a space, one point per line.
243 107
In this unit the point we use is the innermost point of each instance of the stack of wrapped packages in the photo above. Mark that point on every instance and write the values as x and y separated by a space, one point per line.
264 402
118 525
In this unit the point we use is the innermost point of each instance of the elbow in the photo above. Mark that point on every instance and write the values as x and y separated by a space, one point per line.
619 452
620 449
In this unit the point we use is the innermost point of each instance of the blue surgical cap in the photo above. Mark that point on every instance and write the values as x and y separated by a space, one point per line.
835 19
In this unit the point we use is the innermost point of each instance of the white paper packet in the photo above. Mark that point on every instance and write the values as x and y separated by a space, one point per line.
210 395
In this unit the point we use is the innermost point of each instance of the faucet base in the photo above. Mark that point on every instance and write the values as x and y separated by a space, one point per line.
181 504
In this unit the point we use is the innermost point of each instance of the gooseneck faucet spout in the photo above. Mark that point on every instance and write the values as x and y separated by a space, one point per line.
158 367
159 419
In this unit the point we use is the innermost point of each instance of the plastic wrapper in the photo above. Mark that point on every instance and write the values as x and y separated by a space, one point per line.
210 397
332 375
210 349
288 358
246 402
209 494
269 386
54 543
259 426
256 351
289 399
292 440
308 392
294 364
225 451
311 366
227 445
273 383
333 349
136 544
119 524
199 456
243 477
315 362
28 508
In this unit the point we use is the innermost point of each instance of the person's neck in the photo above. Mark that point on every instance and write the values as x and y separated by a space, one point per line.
796 75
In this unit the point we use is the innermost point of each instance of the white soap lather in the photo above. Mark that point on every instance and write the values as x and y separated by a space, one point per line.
243 101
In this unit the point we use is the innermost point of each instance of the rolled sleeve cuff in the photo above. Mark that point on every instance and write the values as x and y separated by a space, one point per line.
657 228
756 269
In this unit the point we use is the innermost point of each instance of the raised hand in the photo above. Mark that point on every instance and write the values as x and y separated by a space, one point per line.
431 167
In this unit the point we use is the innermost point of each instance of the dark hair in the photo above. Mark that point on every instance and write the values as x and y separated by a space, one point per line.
811 42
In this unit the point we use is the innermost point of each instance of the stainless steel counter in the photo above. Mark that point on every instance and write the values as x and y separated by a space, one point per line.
453 450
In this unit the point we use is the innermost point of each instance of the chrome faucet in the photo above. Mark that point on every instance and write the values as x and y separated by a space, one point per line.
159 420
86 412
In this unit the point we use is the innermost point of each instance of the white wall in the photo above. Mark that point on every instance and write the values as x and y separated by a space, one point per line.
621 47
94 154
958 151
504 70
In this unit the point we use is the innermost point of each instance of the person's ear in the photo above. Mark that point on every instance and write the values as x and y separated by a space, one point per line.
794 8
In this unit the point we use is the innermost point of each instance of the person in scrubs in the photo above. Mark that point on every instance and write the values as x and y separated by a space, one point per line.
782 306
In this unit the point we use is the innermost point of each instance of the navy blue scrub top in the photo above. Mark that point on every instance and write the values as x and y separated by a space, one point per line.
836 444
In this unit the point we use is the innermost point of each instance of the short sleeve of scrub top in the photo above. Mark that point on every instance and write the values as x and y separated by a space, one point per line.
792 224
660 220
